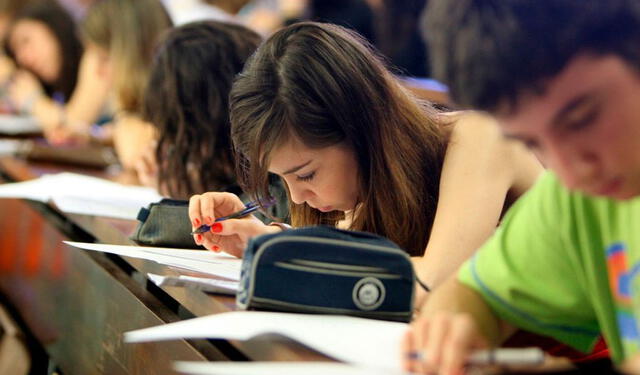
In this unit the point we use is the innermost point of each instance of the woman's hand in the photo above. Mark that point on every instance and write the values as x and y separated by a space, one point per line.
147 168
442 342
24 91
230 236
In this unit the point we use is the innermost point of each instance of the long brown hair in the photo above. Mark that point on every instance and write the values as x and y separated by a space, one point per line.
128 30
63 28
324 85
187 100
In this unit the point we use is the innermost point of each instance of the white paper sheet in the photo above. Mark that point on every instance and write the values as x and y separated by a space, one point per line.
75 193
218 286
13 125
9 147
120 209
280 368
358 341
218 264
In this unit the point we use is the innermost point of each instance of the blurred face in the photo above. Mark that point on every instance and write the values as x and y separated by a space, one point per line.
36 49
586 126
326 179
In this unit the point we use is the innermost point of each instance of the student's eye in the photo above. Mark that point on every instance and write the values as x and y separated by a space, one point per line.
530 144
307 177
585 120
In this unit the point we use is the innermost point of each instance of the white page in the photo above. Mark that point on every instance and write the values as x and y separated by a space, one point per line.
353 340
13 125
218 264
280 368
34 189
9 147
75 193
121 209
227 287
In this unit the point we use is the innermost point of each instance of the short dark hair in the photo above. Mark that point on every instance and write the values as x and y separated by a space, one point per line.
187 101
490 52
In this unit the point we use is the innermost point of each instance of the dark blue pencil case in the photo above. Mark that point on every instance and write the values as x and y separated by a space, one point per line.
328 271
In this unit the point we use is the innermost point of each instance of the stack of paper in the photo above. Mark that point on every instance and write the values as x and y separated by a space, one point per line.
75 193
218 264
358 341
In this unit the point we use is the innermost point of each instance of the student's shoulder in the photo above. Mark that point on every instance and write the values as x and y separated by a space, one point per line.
471 129
475 137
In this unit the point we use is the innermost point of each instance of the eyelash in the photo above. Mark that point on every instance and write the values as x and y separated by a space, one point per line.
586 120
308 177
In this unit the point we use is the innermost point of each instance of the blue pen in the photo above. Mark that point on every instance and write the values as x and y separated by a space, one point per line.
248 208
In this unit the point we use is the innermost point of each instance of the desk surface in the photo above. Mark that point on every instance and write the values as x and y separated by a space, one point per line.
77 304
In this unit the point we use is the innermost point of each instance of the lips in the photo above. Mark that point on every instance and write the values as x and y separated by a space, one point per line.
609 188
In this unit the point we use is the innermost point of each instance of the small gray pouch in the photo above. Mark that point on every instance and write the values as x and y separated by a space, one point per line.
165 224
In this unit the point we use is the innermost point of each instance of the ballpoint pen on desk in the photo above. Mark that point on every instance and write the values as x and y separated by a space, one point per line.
248 209
500 357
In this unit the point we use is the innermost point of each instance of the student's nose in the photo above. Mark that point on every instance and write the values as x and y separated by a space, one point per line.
297 194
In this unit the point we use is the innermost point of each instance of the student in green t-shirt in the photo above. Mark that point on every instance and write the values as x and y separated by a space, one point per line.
562 76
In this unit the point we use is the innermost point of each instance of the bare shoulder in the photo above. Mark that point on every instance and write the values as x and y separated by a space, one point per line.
475 135
476 141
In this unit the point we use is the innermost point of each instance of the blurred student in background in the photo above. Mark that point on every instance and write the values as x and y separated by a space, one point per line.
123 34
187 102
67 89
397 36
44 43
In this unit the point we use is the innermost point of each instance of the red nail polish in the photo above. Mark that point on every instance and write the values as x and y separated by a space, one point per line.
196 222
216 228
199 237
216 248
208 220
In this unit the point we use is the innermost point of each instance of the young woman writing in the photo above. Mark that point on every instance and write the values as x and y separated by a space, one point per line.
317 107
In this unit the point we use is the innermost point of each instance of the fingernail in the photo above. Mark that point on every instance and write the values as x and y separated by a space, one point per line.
216 228
198 238
196 222
208 220
216 248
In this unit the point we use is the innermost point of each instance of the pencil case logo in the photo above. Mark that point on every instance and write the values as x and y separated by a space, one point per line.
368 293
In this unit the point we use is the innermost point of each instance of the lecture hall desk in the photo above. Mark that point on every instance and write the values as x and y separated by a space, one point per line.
76 304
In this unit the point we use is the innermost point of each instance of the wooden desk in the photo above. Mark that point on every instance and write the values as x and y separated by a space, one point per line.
77 304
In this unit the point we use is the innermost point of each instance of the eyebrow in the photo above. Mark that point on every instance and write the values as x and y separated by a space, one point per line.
576 102
296 168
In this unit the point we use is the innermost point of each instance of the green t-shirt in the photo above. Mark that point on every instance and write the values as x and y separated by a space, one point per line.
565 265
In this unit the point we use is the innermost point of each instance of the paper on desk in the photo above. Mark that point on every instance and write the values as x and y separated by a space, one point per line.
218 264
280 368
75 193
120 209
14 125
358 341
205 284
9 147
